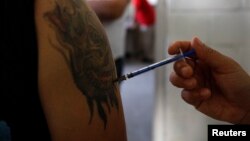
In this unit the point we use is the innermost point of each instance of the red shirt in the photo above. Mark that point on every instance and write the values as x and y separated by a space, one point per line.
144 12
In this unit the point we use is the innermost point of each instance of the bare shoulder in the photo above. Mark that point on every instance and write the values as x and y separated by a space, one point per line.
76 73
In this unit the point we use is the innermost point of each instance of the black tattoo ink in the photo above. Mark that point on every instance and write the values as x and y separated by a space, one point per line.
86 50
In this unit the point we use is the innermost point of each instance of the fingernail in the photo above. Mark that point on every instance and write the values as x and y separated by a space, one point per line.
199 41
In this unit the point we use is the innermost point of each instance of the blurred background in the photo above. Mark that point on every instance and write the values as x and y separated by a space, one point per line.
154 110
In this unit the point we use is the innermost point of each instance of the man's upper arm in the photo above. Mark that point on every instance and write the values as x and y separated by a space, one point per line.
76 73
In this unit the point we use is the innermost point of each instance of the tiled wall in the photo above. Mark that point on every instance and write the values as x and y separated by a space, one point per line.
221 24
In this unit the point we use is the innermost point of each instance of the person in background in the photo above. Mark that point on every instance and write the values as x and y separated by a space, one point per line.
57 74
213 83
145 18
112 14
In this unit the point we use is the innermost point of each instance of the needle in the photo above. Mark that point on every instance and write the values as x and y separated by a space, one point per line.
156 65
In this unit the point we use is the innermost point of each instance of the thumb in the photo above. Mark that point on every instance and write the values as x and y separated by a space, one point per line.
211 57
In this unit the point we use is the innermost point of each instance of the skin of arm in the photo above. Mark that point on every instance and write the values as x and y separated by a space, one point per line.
108 10
76 73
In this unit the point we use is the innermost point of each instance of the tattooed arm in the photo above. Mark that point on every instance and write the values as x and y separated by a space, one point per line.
76 71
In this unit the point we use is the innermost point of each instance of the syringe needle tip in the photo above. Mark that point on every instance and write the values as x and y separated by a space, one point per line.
120 79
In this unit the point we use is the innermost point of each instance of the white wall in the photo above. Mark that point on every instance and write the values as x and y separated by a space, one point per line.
221 24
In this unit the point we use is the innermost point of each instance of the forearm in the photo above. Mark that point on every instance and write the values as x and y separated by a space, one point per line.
108 10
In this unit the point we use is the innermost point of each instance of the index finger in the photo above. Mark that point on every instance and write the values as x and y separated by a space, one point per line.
175 47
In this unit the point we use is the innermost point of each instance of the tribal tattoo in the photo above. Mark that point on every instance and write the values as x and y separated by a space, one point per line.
85 48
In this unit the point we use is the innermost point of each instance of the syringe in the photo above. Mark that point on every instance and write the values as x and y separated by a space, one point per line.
156 65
